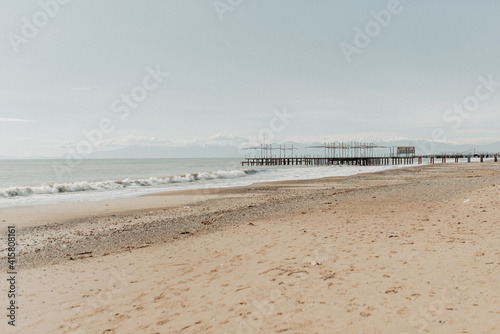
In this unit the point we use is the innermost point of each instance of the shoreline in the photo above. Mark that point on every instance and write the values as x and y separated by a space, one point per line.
61 212
54 233
162 191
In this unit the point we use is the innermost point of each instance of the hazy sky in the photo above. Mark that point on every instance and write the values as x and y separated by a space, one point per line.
231 63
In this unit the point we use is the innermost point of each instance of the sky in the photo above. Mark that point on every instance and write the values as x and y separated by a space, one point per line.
198 71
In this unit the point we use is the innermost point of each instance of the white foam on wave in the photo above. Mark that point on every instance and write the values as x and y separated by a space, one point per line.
117 185
86 191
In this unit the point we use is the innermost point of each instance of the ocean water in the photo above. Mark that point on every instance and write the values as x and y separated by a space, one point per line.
40 182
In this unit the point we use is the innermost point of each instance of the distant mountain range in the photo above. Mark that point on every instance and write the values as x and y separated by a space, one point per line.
231 150
223 151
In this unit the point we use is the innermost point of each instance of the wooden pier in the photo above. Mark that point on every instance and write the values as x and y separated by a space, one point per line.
359 154
363 161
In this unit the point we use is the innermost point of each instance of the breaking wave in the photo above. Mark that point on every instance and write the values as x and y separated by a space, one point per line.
116 185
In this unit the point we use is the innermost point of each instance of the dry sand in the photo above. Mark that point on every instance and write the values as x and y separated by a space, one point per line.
405 251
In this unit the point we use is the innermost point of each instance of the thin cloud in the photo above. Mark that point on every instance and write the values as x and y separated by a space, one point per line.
15 120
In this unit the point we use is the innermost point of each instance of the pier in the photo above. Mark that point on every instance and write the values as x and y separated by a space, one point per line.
358 154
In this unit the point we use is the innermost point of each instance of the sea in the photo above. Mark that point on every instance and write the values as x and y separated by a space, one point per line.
42 182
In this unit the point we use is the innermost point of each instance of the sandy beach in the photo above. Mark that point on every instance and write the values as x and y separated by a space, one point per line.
411 250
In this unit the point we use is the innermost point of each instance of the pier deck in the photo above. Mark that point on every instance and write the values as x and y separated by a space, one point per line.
367 161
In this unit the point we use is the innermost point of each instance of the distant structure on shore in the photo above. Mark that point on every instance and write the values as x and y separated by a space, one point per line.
356 153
